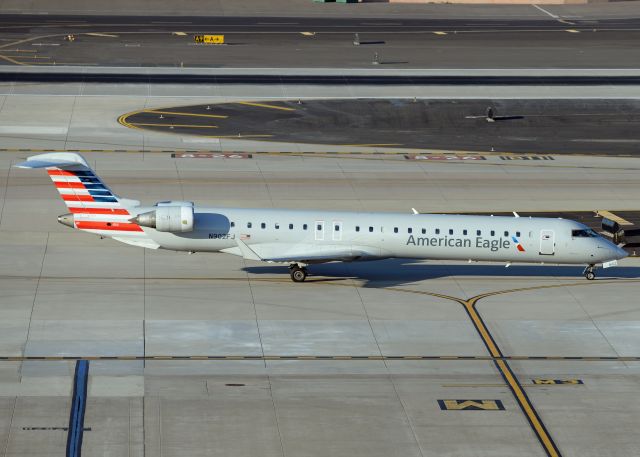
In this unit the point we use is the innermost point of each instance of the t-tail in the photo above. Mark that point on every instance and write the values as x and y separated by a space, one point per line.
93 206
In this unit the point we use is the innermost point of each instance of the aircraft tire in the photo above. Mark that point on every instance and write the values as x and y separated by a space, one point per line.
590 275
298 274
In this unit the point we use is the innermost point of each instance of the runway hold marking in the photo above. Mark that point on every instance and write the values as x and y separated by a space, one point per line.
558 382
177 113
264 105
471 405
526 157
614 217
268 358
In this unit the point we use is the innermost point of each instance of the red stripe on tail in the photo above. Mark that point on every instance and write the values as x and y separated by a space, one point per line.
69 185
76 198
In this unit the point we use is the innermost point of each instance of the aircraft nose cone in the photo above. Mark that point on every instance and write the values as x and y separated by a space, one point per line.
66 219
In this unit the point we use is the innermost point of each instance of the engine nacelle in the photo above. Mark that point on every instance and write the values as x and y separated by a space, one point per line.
168 219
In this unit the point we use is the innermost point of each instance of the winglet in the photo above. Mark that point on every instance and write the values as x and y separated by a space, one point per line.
415 211
515 214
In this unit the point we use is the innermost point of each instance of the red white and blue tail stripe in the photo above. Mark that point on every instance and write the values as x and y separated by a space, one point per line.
95 208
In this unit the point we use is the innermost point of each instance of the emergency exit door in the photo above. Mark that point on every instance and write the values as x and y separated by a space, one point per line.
547 242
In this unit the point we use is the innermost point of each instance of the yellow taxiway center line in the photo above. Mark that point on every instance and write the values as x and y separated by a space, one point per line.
613 217
9 59
263 105
176 125
217 116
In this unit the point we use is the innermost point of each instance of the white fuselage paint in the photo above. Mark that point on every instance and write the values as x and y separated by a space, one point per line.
385 235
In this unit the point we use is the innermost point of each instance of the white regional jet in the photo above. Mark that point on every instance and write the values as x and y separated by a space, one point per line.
301 238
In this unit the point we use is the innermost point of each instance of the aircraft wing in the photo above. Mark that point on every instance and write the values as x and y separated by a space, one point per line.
303 253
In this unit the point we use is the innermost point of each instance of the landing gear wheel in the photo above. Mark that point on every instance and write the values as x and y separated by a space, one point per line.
590 273
298 274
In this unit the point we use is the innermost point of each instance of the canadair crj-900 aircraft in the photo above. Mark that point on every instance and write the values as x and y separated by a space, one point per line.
301 238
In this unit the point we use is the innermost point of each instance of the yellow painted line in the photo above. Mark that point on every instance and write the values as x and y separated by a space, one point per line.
9 59
372 144
238 136
179 33
482 329
102 34
176 125
439 33
613 217
526 406
264 105
572 31
177 113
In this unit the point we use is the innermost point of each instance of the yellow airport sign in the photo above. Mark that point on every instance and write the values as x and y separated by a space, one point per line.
209 39
471 405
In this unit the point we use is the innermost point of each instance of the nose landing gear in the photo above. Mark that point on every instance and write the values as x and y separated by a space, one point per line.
590 272
298 273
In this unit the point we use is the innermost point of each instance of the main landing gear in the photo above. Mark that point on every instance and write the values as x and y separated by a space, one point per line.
298 273
590 272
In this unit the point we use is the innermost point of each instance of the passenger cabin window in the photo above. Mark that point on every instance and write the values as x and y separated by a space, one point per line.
395 229
233 224
464 232
370 229
409 230
319 227
450 231
357 228
518 234
277 226
424 231
586 233
437 231
248 224
478 232
304 226
263 225
290 226
506 233
336 228
493 233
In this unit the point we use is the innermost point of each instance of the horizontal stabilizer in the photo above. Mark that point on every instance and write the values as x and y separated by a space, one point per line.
54 159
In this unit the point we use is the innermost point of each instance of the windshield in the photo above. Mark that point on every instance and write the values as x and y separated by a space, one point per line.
584 233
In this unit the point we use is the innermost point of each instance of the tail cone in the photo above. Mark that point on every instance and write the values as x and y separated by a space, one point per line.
66 219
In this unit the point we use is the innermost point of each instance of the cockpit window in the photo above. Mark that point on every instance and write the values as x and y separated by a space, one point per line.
584 233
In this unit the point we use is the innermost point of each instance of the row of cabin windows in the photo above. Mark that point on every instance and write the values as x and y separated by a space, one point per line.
336 228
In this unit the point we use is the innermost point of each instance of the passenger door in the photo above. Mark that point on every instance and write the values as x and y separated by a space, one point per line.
547 242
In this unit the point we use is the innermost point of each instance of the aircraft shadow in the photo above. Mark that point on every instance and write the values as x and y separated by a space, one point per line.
395 272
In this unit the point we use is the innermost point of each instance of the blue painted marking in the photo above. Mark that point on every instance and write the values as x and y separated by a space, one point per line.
90 180
103 193
82 173
78 407
95 186
105 199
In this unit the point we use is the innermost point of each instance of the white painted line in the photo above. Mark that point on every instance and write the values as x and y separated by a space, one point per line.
179 33
102 34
